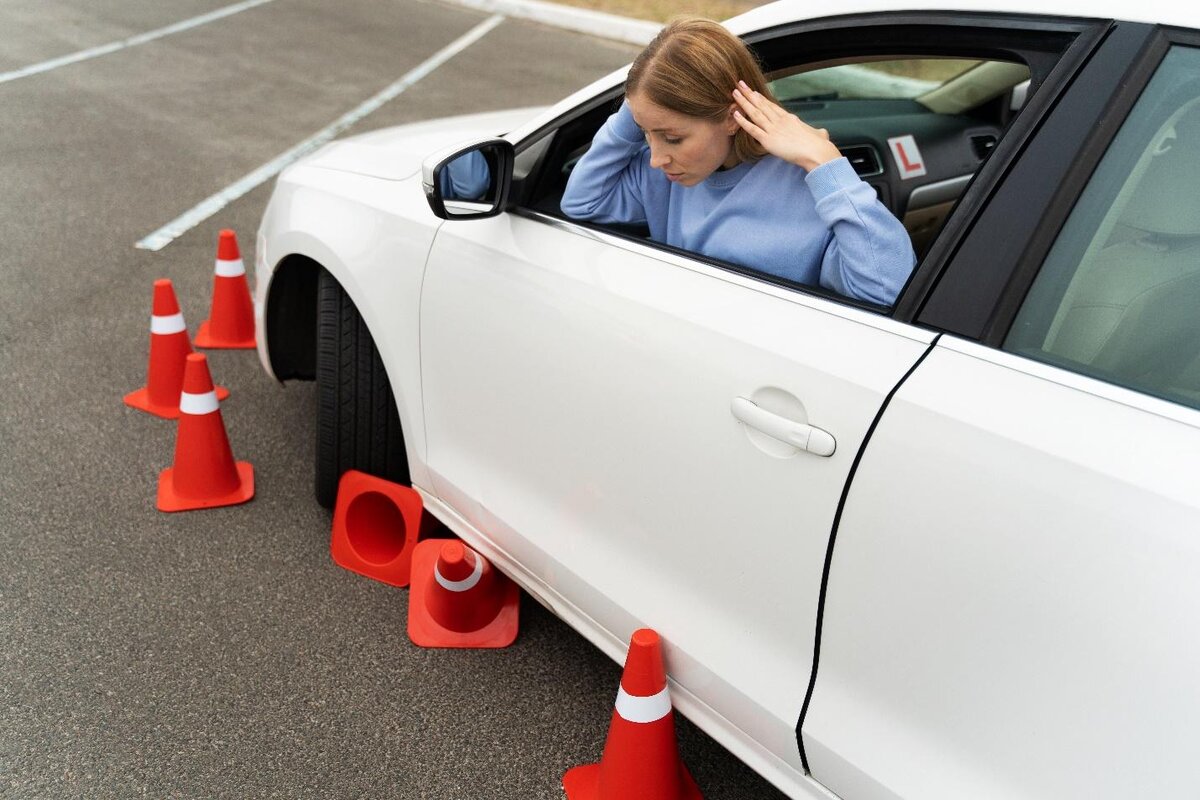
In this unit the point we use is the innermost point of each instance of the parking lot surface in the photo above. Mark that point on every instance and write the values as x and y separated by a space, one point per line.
222 653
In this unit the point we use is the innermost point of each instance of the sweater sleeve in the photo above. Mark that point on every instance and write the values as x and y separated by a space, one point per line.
466 177
870 256
607 183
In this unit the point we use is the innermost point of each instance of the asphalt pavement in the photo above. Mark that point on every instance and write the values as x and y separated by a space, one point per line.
221 653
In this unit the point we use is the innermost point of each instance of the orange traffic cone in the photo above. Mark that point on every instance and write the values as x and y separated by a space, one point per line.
168 348
230 324
458 599
375 527
204 474
640 757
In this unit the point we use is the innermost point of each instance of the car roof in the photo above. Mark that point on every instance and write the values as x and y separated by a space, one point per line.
1165 12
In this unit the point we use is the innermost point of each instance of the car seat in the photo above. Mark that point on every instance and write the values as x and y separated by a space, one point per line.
1133 313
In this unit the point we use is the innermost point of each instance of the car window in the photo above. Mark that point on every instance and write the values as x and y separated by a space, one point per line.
939 118
953 109
1118 295
915 128
905 78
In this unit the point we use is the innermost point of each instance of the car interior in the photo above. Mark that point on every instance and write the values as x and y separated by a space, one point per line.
956 121
1125 309
955 104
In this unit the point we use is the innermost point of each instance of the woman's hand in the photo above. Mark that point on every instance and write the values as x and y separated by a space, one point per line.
782 134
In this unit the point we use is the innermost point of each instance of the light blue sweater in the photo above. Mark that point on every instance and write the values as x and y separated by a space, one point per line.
824 227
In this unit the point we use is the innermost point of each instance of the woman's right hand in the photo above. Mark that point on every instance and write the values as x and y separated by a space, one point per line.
782 134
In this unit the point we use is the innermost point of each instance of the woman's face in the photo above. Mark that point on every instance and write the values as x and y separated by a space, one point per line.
687 149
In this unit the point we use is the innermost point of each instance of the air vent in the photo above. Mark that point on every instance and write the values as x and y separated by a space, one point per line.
982 145
864 159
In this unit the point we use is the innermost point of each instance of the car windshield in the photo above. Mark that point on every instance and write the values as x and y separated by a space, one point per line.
908 78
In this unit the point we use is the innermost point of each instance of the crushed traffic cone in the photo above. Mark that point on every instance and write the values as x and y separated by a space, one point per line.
375 527
230 323
204 474
458 599
640 756
169 347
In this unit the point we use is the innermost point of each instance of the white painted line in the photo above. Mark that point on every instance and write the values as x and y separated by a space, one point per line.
190 219
582 20
141 38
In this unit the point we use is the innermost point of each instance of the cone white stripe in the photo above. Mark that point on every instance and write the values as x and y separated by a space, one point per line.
643 709
198 404
230 269
170 323
466 583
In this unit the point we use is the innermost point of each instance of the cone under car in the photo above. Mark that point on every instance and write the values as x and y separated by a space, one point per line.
458 599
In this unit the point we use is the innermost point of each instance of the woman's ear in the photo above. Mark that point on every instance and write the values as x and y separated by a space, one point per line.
731 124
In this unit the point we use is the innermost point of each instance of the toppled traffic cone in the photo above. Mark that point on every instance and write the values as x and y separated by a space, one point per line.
458 599
169 347
375 527
640 757
204 474
230 323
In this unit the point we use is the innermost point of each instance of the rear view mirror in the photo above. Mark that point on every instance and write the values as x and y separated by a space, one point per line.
469 182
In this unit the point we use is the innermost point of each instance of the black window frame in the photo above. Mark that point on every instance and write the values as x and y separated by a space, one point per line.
958 34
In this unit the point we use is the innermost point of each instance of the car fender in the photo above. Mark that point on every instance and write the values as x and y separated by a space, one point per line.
373 236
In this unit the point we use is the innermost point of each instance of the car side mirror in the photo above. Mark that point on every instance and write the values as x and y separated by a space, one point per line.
469 181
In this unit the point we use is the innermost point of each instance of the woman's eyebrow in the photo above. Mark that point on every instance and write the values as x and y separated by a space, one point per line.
642 128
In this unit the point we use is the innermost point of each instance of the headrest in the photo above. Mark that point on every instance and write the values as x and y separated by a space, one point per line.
1167 198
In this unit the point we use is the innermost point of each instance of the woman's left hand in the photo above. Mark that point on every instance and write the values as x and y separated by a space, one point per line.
782 134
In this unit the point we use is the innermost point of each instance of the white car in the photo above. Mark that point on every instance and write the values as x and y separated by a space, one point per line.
945 549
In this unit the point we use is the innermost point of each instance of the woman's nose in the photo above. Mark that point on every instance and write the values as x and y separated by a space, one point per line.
657 159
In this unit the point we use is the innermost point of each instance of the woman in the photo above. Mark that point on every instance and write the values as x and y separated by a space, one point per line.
700 152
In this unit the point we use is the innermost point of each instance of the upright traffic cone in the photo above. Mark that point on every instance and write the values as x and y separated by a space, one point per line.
458 599
204 474
230 324
169 347
640 757
375 527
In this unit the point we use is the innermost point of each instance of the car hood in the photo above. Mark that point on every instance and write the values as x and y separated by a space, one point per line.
396 153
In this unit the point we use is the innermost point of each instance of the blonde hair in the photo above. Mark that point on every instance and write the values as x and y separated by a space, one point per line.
692 66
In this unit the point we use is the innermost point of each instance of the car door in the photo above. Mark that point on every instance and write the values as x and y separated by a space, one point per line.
580 398
607 412
1012 593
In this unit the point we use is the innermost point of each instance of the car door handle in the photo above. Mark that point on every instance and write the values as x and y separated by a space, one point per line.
797 434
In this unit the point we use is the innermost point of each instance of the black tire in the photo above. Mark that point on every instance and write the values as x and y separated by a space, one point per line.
358 426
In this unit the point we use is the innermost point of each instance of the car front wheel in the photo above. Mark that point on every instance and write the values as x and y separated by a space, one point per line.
358 426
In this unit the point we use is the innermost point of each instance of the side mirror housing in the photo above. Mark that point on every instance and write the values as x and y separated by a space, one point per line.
469 181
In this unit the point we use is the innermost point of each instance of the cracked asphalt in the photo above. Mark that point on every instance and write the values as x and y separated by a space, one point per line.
221 653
